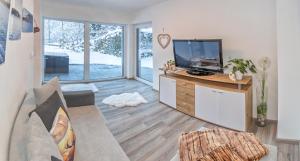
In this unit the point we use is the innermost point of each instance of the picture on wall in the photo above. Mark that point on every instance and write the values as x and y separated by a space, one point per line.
4 15
27 21
16 20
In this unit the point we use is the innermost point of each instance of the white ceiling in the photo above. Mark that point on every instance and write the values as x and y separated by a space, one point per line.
123 5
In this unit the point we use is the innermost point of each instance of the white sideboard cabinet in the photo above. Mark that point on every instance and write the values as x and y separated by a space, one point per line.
167 90
215 99
222 107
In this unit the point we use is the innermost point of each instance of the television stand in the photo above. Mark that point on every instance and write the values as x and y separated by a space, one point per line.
200 72
214 98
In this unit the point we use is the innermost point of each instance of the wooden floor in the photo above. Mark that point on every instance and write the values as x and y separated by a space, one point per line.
150 131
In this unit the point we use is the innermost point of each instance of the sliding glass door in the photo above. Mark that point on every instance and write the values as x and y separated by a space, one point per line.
106 51
144 53
63 50
66 54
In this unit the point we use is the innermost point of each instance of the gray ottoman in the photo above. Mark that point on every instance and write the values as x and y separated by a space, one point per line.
79 98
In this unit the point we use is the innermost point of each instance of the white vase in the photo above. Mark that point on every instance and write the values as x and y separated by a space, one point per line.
239 75
232 76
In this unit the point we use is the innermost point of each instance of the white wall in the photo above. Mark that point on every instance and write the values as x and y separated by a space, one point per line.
248 30
16 77
70 11
288 31
37 46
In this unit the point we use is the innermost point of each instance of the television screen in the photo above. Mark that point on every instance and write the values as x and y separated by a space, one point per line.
201 54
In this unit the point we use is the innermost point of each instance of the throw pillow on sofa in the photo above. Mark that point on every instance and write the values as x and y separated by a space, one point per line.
55 159
56 120
41 146
45 91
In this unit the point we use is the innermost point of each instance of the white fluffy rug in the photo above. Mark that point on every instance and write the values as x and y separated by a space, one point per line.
125 99
79 87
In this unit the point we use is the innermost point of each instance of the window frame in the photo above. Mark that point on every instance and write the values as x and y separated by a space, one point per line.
136 29
86 65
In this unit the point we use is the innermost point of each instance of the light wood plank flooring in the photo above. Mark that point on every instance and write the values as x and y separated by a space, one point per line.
150 131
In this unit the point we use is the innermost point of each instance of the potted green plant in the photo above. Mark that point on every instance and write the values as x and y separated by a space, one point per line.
171 65
239 67
262 92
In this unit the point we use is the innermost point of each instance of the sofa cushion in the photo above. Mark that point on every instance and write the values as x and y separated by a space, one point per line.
41 146
19 135
48 109
222 153
55 159
45 91
56 120
63 135
247 146
94 140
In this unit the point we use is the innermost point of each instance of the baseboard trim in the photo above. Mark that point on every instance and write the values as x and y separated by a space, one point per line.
268 120
287 141
144 81
87 81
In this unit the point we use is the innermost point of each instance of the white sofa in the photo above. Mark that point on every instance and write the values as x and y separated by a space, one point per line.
94 141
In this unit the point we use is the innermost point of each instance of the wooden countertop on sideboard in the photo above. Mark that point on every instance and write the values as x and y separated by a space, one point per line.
221 78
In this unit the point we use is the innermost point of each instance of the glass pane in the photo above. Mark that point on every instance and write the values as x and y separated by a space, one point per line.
63 50
145 56
106 51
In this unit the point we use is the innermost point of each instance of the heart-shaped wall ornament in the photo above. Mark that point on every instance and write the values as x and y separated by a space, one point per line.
164 40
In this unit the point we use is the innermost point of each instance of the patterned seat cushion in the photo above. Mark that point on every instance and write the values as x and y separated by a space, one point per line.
222 153
196 145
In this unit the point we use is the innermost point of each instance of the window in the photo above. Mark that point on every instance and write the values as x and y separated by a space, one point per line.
63 50
65 54
144 54
106 51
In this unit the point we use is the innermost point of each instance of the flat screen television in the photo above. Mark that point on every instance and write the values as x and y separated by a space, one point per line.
199 54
